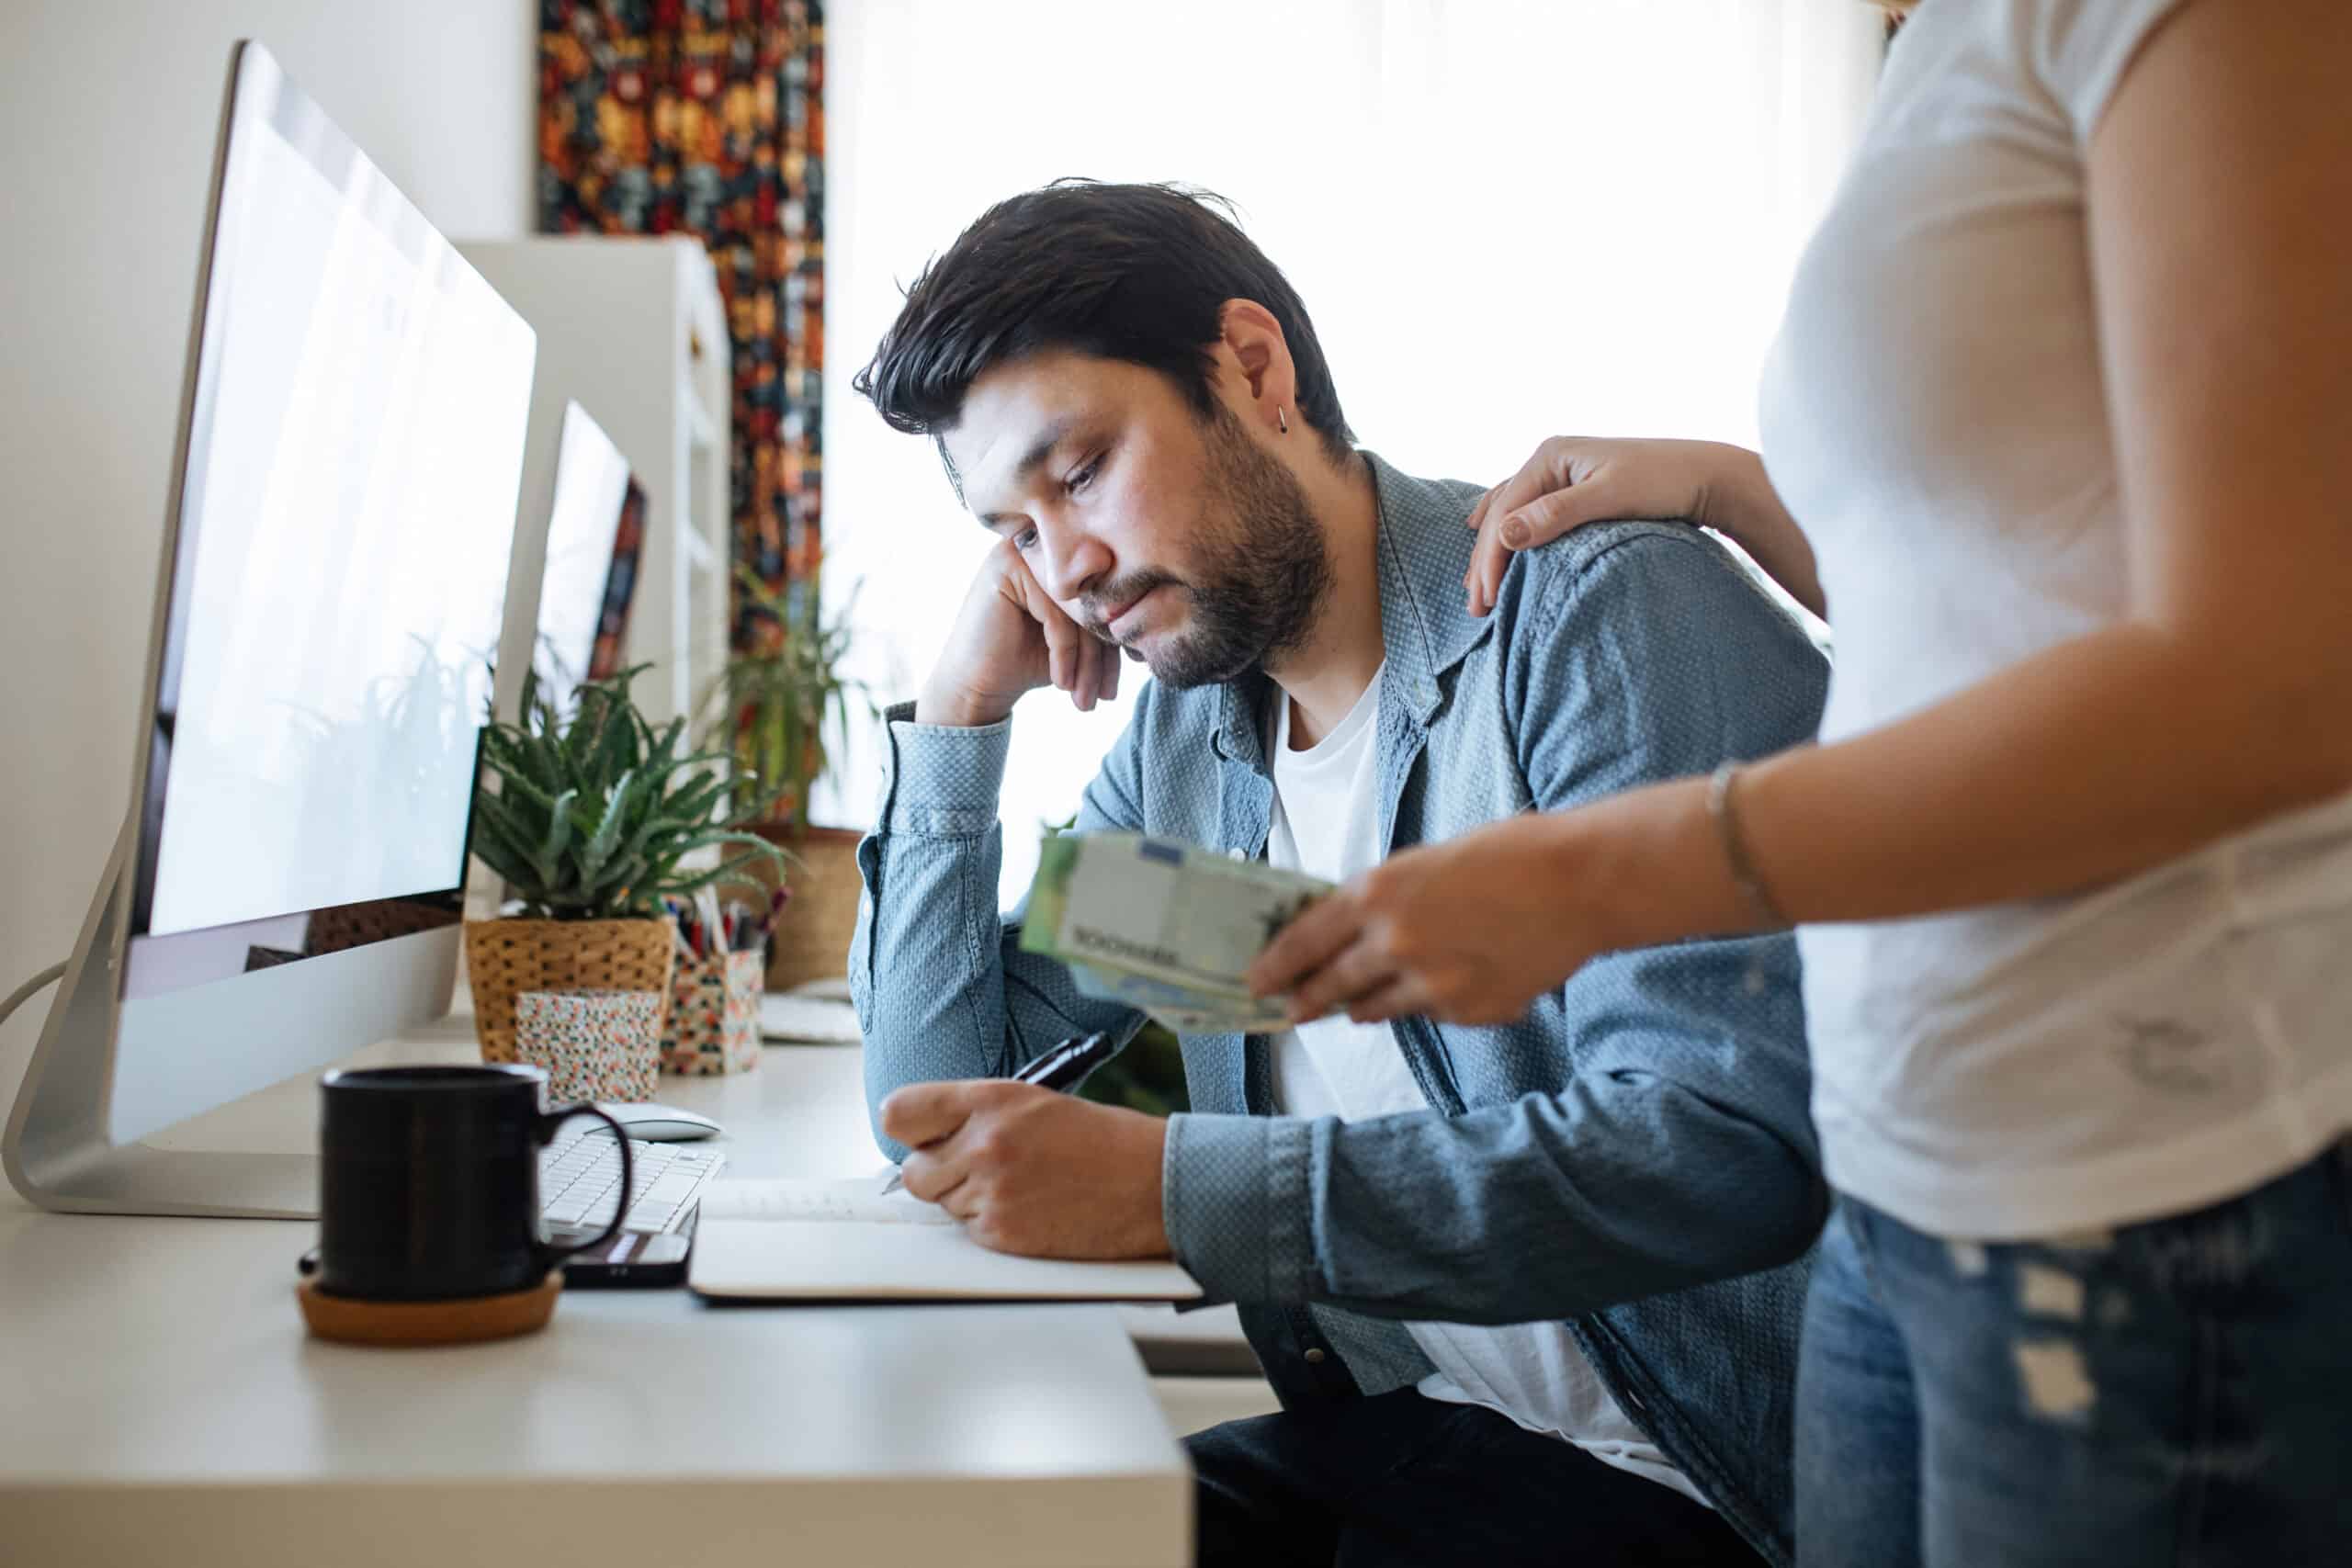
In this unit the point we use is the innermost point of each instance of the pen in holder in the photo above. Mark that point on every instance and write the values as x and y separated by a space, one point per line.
714 1023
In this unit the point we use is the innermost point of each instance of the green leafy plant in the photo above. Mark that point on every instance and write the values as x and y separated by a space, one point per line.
595 814
775 705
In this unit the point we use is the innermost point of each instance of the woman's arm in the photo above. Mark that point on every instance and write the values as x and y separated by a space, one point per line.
1573 480
2220 216
2220 227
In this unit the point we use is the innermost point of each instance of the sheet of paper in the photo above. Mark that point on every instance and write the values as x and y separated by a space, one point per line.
831 988
858 1198
787 1017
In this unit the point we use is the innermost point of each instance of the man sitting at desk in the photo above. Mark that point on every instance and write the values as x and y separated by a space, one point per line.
1613 1188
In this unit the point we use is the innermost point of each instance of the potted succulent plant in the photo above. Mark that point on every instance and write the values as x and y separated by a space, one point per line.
779 707
592 821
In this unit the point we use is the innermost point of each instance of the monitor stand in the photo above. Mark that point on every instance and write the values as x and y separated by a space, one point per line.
57 1149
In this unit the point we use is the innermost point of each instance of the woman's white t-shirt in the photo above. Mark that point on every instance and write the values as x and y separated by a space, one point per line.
1934 414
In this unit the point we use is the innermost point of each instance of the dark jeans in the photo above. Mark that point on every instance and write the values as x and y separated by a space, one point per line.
1400 1479
2169 1393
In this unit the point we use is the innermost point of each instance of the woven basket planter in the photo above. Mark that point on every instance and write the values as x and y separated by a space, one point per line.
813 936
505 958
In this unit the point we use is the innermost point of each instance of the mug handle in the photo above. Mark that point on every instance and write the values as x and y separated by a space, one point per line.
543 1133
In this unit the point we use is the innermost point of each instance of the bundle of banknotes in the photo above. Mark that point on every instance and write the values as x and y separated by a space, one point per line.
1163 926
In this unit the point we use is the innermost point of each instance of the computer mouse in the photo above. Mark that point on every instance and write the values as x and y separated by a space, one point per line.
660 1124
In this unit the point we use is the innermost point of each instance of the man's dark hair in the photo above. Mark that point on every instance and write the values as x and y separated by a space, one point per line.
1129 272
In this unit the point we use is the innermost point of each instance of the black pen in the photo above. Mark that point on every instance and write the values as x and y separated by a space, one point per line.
1060 1069
1066 1064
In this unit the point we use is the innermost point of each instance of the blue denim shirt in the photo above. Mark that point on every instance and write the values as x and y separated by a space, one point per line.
1632 1157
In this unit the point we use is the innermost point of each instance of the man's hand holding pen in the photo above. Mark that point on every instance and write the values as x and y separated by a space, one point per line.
1032 1171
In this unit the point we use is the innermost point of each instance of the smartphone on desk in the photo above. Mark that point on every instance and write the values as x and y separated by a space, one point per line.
632 1261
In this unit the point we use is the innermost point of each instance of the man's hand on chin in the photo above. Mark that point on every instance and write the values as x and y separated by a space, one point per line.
1033 1171
1010 638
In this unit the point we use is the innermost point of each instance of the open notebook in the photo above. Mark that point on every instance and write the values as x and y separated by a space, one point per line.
844 1241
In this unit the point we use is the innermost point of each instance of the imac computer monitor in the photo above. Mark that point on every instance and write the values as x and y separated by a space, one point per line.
286 886
587 580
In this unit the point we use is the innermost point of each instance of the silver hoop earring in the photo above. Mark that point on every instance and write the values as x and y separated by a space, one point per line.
1281 419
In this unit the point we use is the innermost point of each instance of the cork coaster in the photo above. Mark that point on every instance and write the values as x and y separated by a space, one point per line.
429 1323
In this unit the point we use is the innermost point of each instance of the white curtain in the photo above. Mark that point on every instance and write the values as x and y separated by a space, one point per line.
1508 218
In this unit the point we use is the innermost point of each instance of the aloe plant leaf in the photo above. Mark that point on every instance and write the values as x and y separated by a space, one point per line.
759 848
598 850
505 844
703 879
559 834
520 787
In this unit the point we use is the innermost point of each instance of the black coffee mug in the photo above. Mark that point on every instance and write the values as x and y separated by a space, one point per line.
429 1182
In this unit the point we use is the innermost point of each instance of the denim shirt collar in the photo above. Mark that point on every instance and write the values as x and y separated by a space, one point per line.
1425 620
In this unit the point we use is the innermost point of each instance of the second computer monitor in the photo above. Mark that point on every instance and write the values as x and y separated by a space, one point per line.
590 571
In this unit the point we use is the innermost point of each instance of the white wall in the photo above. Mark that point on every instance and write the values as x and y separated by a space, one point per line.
108 114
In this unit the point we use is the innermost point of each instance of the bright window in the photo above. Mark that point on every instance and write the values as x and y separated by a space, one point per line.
1508 218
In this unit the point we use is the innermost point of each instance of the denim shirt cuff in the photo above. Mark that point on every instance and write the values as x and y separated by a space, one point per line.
1234 1200
942 780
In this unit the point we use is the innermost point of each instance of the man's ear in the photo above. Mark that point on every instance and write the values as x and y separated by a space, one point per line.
1248 332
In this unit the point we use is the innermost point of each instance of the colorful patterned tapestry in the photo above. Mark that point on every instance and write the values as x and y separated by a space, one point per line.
707 118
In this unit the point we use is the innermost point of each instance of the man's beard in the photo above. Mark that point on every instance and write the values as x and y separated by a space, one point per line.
1260 570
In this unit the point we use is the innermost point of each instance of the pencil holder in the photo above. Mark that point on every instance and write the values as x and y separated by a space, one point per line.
714 1015
593 1044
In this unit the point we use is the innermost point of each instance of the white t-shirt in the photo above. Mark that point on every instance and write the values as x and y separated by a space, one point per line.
1934 414
1326 822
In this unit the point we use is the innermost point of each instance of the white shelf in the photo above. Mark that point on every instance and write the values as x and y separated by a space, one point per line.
702 431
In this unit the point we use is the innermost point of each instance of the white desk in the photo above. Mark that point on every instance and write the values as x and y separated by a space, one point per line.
160 1401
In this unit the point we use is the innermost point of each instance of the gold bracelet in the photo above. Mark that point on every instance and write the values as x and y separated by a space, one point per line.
1742 868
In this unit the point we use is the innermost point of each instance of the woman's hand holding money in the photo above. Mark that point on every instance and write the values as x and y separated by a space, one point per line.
1471 930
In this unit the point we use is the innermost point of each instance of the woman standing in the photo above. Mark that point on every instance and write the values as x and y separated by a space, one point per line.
2064 401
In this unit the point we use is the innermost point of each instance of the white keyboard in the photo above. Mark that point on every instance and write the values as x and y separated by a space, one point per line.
580 1177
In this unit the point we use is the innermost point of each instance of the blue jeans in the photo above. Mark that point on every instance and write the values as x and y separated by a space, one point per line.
1399 1479
2178 1391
